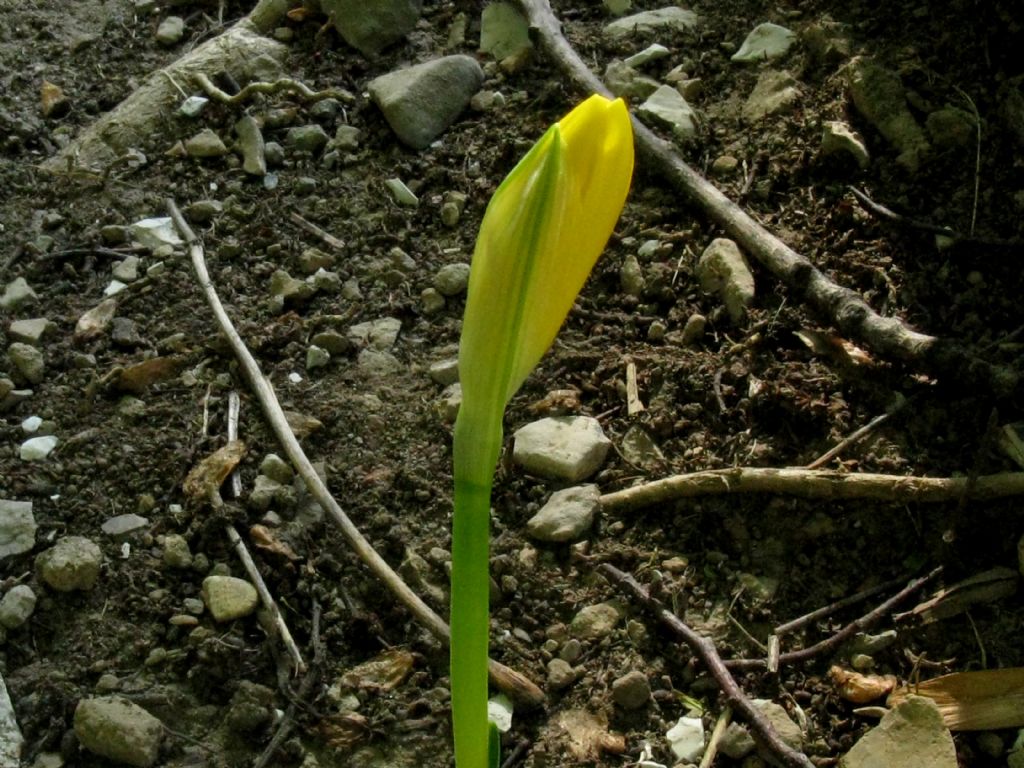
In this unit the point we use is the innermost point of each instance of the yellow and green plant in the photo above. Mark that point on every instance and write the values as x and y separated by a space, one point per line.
542 232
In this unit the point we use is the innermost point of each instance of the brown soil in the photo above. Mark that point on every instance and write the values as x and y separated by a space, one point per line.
771 401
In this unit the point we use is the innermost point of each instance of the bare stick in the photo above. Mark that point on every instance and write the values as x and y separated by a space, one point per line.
316 231
704 649
829 644
284 84
838 605
813 484
844 308
514 684
711 751
859 434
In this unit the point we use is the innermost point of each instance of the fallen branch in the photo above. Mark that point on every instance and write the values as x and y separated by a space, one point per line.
844 308
282 84
704 649
814 484
831 643
515 685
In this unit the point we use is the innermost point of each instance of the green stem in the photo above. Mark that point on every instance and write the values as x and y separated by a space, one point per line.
476 447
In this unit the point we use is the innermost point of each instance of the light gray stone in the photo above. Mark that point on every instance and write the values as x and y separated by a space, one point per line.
263 492
176 552
307 138
660 20
31 331
560 674
170 31
37 448
737 742
376 334
668 107
317 357
447 406
251 145
346 138
17 294
127 270
122 525
28 361
288 289
371 27
774 92
452 279
420 102
376 362
766 42
95 322
444 372
401 194
206 143
504 31
567 515
722 269
632 690
624 81
839 138
431 300
155 232
652 52
631 277
333 342
17 527
17 606
118 730
639 449
73 563
911 734
878 95
229 598
595 621
569 448
277 469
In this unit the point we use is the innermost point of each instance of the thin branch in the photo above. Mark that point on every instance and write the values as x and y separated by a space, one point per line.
316 231
838 605
514 684
283 84
814 484
858 435
844 308
829 644
704 649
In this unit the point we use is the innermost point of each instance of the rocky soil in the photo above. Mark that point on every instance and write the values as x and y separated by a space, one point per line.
130 631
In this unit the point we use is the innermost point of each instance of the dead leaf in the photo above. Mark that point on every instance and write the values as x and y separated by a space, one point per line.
52 100
987 700
136 379
344 731
209 474
584 731
985 587
384 673
860 689
834 347
264 538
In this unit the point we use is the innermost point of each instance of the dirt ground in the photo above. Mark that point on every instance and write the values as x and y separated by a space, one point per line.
753 394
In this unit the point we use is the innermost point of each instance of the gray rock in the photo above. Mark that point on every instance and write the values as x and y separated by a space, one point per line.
277 469
872 644
737 742
838 138
452 279
333 342
878 95
170 31
73 563
17 606
631 277
569 448
400 193
229 598
911 734
346 138
595 621
289 289
774 92
432 301
153 233
668 107
632 690
651 53
95 322
28 360
639 449
766 42
206 143
124 333
371 27
121 525
567 515
375 362
312 259
251 145
118 730
204 211
420 102
263 492
176 552
307 138
251 708
447 406
660 20
624 81
31 331
317 357
127 270
274 154
17 527
722 269
444 372
560 674
17 294
421 576
377 334
37 448
504 31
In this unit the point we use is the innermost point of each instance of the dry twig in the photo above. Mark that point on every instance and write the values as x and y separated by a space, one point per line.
515 685
814 484
844 308
704 649
284 84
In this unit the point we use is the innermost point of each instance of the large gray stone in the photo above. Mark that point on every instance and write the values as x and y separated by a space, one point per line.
671 19
764 43
774 92
568 514
910 735
17 605
28 360
72 563
569 448
668 107
723 269
17 294
369 27
17 527
118 730
422 101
